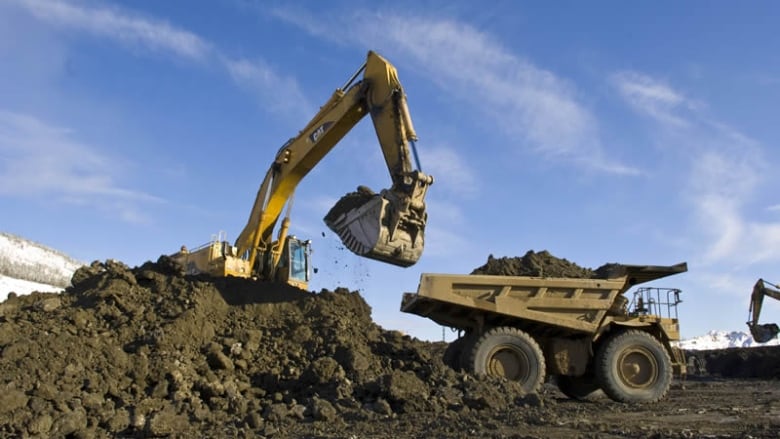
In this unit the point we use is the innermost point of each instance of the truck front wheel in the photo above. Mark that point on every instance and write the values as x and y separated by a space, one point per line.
633 367
509 353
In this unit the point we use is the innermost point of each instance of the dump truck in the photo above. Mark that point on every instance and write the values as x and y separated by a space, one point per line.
584 334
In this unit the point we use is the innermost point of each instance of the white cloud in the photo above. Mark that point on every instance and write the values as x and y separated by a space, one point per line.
719 218
455 174
278 92
725 177
652 97
444 242
40 160
121 26
524 101
723 172
725 183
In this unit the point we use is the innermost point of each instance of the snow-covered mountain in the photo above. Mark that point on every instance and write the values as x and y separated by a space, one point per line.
27 266
724 340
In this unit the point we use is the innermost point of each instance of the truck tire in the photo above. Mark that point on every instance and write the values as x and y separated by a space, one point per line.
509 353
633 367
581 388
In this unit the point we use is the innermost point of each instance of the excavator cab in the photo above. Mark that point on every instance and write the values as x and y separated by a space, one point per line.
762 333
294 265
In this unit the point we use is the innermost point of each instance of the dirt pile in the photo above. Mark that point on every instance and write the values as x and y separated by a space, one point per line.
541 264
756 362
149 352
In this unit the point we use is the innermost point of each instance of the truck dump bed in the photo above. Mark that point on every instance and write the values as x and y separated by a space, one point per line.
554 305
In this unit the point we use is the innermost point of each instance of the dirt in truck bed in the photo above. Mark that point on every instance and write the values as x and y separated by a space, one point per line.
149 352
541 264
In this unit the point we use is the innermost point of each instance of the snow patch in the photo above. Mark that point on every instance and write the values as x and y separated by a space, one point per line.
26 266
723 340
21 287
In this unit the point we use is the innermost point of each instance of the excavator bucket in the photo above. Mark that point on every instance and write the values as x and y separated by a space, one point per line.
762 333
373 226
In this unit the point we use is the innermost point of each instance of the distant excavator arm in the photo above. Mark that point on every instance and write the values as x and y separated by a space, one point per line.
762 333
398 214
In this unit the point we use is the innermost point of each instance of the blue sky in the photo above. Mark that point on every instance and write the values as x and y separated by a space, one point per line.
633 132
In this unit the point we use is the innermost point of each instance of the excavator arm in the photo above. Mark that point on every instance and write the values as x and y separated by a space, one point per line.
762 333
387 226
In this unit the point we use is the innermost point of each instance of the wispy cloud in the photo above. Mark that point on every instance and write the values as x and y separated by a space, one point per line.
279 93
42 161
119 25
457 176
725 182
652 97
524 101
725 177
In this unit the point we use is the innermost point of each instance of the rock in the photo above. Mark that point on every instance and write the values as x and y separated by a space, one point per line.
49 304
322 410
382 407
167 423
12 399
220 361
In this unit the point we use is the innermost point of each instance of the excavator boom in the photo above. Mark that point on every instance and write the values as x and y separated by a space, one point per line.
762 333
387 226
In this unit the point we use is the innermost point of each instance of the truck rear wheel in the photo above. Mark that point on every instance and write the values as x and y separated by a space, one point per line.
509 353
581 388
634 367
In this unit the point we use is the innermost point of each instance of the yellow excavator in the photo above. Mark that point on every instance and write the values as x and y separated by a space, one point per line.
387 226
762 333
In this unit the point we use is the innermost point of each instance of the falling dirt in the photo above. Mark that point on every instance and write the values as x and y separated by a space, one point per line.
150 352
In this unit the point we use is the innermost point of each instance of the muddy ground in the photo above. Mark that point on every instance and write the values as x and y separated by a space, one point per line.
149 352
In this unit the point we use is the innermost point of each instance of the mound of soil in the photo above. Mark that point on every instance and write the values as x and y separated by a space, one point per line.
755 362
541 264
150 352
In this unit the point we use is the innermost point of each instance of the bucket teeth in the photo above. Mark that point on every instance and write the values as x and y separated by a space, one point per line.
351 242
